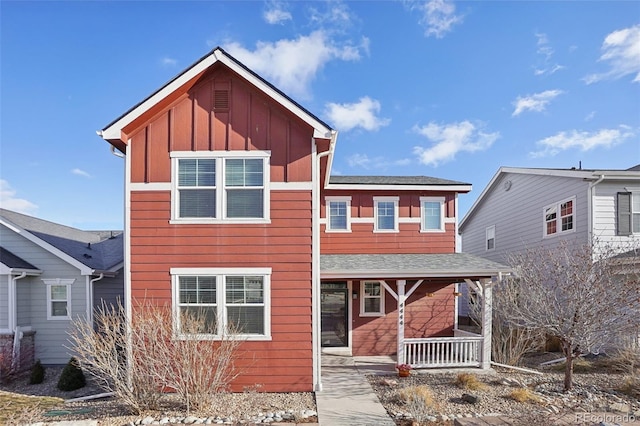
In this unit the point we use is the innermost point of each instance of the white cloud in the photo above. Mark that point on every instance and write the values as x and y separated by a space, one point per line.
336 15
438 16
590 116
450 139
276 13
536 102
546 51
622 52
168 62
9 201
292 64
584 141
364 162
80 172
359 114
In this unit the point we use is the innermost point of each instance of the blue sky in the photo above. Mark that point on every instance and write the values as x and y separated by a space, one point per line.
437 88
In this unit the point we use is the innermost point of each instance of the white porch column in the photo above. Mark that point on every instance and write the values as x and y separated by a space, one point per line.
487 315
401 308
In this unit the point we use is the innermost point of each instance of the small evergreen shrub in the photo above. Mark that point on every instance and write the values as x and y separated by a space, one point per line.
72 377
37 374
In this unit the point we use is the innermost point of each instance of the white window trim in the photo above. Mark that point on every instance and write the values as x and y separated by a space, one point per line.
490 231
221 274
440 200
635 193
395 201
362 300
50 282
558 219
328 201
221 198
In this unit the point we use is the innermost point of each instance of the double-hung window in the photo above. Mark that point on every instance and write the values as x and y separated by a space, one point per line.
490 235
432 214
214 302
216 186
372 299
386 214
559 218
628 212
58 298
338 214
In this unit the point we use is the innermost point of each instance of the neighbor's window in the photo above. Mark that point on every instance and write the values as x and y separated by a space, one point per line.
216 186
338 213
490 238
635 212
372 298
58 298
560 217
386 214
211 302
432 214
628 212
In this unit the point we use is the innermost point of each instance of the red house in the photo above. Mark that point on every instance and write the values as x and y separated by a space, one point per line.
231 209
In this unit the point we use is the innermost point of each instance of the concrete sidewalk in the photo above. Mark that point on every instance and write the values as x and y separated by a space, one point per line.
347 398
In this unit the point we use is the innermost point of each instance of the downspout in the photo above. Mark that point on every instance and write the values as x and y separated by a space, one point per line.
13 318
590 209
90 298
315 260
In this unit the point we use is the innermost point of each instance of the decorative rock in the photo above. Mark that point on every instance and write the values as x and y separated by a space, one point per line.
147 420
623 408
189 420
390 382
471 399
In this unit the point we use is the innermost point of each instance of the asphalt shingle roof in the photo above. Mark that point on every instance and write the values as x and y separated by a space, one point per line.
13 261
391 180
459 265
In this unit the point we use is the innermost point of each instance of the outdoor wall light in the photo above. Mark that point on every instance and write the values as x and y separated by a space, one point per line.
354 295
430 295
457 293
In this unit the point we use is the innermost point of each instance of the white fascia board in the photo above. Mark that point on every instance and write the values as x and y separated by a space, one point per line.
114 131
356 187
84 269
389 273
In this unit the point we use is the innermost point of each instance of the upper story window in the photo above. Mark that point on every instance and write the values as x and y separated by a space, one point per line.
386 214
432 214
58 298
559 218
372 299
220 186
628 212
338 214
490 235
211 302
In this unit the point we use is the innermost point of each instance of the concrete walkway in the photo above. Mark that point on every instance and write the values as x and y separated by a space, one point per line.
347 398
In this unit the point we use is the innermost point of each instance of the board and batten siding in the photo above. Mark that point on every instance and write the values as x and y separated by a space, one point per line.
409 239
605 214
51 335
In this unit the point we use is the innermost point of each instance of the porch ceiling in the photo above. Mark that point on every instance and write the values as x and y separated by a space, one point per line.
450 266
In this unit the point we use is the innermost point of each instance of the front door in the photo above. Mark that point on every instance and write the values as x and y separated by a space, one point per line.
334 310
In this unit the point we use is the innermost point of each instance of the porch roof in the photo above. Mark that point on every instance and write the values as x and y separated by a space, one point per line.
449 266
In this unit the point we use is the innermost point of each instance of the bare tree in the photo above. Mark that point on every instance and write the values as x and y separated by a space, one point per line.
585 298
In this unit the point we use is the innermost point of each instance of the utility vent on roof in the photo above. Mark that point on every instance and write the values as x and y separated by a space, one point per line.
221 99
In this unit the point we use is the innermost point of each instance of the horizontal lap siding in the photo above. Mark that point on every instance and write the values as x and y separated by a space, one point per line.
283 245
425 317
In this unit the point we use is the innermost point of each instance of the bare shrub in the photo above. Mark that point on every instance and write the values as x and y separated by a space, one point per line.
419 401
140 362
469 381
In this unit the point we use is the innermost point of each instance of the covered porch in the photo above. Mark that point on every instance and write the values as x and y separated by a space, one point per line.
419 322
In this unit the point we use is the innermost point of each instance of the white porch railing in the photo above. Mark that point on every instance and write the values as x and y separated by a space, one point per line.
443 352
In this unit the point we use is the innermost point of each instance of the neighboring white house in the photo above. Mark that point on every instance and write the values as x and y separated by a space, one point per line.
529 207
51 274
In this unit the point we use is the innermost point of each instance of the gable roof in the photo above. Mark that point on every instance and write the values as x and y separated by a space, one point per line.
115 133
90 251
632 173
395 183
13 262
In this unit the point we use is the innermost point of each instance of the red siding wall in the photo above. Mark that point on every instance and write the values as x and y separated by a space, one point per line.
424 317
196 122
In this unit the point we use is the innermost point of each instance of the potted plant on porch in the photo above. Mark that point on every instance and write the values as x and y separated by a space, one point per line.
404 370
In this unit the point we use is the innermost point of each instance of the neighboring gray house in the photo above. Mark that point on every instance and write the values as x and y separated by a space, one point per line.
51 274
528 207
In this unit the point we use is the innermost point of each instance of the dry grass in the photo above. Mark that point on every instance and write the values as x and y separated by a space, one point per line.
419 401
580 365
524 395
631 386
19 409
470 382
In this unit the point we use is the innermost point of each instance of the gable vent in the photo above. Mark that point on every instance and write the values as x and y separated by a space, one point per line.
221 99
